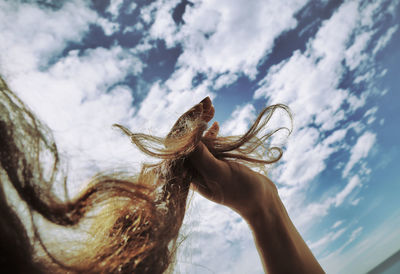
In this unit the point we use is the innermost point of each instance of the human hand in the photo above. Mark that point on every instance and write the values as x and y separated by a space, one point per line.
254 197
228 183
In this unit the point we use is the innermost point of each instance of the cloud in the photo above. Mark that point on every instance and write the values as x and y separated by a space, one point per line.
32 35
369 251
225 80
114 7
162 106
79 98
217 240
353 183
111 26
306 159
131 7
310 83
337 224
325 240
371 111
311 78
239 121
78 93
85 88
382 42
219 38
360 150
355 202
314 211
108 26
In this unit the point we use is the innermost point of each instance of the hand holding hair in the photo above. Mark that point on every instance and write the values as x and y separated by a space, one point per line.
256 199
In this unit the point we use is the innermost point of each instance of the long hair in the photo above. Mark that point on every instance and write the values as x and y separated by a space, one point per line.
125 223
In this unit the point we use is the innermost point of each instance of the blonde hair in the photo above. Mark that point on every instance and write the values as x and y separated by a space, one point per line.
134 219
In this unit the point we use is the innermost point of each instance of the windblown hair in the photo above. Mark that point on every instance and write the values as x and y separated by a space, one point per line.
126 223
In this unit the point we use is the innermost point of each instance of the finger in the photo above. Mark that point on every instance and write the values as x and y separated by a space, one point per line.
208 114
212 132
208 109
207 104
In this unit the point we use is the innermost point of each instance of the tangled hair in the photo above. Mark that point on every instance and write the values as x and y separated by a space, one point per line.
126 223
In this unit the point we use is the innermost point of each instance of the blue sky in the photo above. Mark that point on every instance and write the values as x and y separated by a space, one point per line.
83 65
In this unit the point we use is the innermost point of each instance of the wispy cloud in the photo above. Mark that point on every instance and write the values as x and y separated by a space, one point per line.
240 120
352 184
360 150
328 238
370 249
382 42
337 224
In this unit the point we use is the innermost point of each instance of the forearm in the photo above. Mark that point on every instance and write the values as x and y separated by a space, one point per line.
281 247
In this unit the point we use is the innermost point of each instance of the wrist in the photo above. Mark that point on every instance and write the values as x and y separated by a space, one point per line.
266 203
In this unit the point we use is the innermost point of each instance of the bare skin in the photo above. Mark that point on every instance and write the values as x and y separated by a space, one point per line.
256 199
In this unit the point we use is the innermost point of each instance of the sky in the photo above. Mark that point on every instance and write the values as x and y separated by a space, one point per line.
82 66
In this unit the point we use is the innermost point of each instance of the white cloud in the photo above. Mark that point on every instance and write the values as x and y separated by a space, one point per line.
355 54
354 234
352 184
218 241
108 26
306 215
337 224
181 79
371 119
240 120
225 80
311 78
355 202
218 36
308 82
31 35
163 106
131 7
114 7
301 163
365 77
76 97
370 250
371 111
360 150
79 95
325 240
384 40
